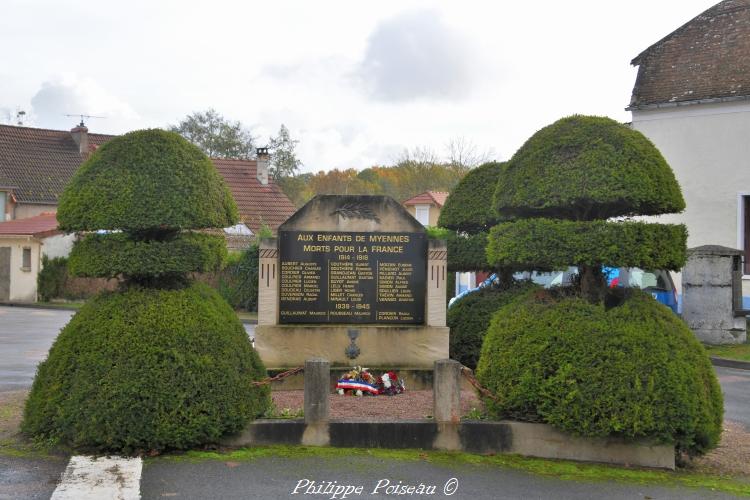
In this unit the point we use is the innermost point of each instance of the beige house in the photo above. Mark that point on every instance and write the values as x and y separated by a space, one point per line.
425 207
692 100
22 244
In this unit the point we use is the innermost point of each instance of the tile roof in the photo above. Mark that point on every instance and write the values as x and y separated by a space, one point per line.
38 163
37 225
428 197
708 58
257 203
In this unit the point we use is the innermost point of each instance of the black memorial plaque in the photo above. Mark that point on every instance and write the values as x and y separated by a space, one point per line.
343 277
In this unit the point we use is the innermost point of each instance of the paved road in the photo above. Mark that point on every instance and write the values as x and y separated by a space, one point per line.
26 335
736 387
276 477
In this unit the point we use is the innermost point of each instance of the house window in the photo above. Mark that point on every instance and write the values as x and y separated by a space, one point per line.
3 200
745 221
26 264
423 214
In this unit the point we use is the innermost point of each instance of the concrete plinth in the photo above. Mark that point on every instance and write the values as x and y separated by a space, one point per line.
394 347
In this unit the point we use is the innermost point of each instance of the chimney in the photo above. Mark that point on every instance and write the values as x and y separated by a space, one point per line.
264 159
81 136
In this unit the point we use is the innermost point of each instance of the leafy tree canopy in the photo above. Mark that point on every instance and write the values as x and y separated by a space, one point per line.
216 136
284 161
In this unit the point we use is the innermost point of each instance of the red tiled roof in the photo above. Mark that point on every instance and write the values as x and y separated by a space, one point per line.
257 203
706 58
37 225
428 198
38 163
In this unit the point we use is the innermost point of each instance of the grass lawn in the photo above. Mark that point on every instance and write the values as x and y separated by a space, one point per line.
739 352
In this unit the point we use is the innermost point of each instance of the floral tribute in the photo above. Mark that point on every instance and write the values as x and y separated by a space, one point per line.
360 382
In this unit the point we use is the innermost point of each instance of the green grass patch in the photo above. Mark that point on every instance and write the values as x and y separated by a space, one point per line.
560 469
74 306
740 352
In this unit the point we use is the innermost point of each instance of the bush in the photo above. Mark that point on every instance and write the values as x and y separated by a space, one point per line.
585 168
238 282
145 180
466 252
111 255
469 207
634 371
555 244
147 369
470 317
51 280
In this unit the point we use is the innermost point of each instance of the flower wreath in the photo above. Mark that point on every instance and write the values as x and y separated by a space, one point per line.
360 382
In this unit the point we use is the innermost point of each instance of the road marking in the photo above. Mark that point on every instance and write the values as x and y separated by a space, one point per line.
98 478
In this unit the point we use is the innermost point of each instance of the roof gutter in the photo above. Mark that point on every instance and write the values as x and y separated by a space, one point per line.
712 100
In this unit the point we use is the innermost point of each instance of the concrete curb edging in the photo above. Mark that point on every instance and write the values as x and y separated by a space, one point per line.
730 363
523 438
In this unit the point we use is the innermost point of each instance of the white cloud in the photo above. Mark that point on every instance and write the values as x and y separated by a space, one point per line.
414 55
73 95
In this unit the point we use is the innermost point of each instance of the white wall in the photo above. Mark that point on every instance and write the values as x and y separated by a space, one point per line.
58 245
708 147
22 282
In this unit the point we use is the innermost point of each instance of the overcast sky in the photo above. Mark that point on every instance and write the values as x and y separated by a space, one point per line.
355 82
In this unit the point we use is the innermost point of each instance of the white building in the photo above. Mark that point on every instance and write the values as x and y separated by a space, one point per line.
692 99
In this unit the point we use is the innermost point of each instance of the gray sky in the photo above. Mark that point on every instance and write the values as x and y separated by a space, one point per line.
355 82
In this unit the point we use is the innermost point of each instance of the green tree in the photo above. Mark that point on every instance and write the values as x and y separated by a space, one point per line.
164 362
284 161
562 185
216 136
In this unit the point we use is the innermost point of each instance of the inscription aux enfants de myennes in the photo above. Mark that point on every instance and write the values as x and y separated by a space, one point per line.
352 277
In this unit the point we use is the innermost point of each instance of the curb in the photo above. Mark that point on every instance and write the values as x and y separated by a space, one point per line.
61 307
730 363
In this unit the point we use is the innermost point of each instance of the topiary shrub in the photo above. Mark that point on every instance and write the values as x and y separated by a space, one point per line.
161 363
146 180
470 317
147 369
635 371
238 283
586 170
469 206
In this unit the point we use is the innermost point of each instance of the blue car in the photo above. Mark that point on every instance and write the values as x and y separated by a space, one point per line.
658 283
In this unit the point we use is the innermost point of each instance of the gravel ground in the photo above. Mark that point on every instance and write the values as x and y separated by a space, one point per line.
405 406
733 454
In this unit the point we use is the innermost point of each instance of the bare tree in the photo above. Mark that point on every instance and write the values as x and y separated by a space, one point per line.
463 152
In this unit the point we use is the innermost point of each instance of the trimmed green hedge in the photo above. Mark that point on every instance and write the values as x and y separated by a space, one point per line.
635 371
470 316
111 255
555 244
51 280
146 180
147 369
469 207
585 168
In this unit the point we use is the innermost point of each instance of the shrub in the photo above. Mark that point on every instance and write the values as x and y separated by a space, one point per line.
52 279
238 282
584 168
469 207
634 371
145 180
470 317
466 252
553 244
147 369
111 255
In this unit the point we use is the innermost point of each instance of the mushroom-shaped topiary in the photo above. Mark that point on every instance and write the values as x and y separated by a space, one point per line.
161 363
563 184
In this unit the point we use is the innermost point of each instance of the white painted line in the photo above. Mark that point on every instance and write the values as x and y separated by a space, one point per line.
100 478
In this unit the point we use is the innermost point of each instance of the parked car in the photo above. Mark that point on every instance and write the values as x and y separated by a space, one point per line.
658 283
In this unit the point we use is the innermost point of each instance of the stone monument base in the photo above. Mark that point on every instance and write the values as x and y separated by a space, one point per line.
394 347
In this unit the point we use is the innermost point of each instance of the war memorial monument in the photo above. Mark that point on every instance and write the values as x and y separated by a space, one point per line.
354 280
